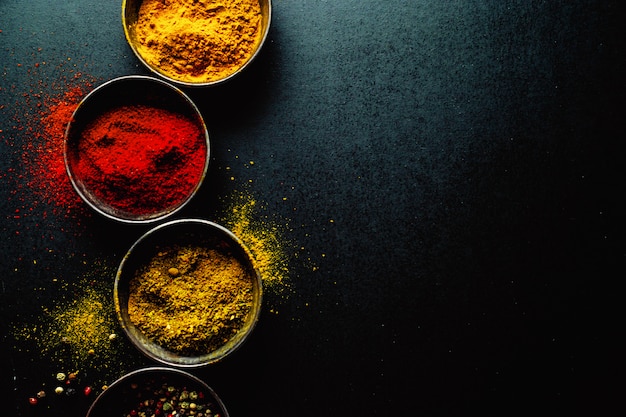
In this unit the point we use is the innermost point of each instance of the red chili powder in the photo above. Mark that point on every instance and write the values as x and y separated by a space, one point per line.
139 159
42 153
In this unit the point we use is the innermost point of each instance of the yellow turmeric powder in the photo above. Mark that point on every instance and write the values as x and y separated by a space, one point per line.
198 40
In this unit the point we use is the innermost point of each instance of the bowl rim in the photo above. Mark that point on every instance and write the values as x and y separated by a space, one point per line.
220 81
126 325
156 369
198 119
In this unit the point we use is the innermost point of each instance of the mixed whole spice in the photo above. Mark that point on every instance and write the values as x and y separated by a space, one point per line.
166 399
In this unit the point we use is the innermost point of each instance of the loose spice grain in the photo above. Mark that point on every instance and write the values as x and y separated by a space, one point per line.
200 308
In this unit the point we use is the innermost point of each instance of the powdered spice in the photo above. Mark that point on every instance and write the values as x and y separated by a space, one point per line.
78 335
264 237
38 187
42 155
198 40
191 299
140 159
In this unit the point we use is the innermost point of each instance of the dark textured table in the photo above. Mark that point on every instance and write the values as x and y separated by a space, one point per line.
446 177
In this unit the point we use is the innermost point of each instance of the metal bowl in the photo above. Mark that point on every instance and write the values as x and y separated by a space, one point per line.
129 90
130 13
131 390
184 232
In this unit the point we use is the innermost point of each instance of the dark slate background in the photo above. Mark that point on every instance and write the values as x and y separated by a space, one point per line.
467 153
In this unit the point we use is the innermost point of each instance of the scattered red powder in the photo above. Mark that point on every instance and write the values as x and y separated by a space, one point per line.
42 154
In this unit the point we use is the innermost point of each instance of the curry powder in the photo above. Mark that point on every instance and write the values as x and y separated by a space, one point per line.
190 299
198 40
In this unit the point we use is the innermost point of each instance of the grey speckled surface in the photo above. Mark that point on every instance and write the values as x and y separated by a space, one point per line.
450 168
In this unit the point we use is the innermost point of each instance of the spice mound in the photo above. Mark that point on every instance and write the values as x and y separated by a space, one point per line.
139 159
198 40
190 299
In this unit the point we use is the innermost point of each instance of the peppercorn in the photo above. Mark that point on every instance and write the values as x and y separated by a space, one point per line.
169 401
41 394
58 390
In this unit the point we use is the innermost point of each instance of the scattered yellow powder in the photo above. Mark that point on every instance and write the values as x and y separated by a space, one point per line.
83 324
79 332
71 329
264 237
